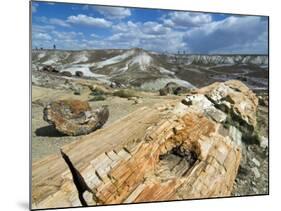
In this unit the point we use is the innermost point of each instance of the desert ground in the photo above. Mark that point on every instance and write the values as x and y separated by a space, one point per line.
128 80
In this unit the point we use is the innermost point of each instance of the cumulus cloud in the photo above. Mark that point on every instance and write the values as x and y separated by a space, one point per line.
66 35
189 31
148 35
234 34
113 12
41 36
42 28
88 20
155 28
59 22
52 21
46 36
186 19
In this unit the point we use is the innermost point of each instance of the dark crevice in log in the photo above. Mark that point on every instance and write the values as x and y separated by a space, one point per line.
178 160
78 180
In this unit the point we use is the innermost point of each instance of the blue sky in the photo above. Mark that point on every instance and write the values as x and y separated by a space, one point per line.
78 26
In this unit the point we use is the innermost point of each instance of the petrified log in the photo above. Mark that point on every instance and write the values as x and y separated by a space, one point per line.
172 151
75 117
236 99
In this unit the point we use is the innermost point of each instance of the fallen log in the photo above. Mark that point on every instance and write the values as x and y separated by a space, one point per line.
168 152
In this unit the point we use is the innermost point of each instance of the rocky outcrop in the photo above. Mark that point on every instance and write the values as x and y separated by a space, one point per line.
179 150
264 101
79 74
237 101
66 73
173 88
223 59
74 117
50 69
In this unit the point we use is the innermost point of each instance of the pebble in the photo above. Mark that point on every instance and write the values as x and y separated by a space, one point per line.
255 190
137 101
256 162
263 142
256 172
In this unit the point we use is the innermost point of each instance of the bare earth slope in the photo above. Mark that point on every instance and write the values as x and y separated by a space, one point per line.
151 71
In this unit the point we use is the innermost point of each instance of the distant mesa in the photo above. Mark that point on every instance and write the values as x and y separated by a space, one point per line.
145 69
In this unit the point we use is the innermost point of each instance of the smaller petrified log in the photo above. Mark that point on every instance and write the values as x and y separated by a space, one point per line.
74 117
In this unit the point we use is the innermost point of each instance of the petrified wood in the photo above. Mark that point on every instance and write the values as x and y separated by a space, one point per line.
167 152
75 117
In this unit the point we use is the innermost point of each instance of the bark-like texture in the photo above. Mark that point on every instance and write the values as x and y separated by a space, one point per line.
75 117
173 151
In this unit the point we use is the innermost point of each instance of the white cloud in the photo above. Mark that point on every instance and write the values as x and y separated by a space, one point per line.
194 33
41 36
113 12
43 29
234 34
88 20
59 22
148 35
155 28
46 36
186 19
65 35
52 21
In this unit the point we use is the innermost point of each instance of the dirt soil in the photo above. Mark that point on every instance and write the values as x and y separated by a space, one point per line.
47 140
252 178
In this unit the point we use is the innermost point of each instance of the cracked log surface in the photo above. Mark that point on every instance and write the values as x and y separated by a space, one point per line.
180 150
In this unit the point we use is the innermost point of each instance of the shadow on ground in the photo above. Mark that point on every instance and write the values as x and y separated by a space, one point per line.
48 131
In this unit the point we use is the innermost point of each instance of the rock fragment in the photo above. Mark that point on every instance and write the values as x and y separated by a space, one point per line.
50 69
256 172
237 100
79 74
256 162
74 117
66 73
263 142
172 88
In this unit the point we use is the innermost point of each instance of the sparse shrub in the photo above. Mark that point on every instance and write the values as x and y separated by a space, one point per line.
98 98
97 92
126 93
